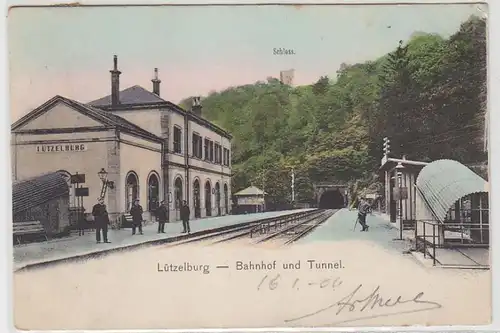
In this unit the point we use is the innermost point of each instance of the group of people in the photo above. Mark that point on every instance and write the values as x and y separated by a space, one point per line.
101 218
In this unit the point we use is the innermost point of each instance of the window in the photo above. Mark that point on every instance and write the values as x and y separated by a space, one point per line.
207 155
211 151
177 140
470 218
226 157
218 154
197 142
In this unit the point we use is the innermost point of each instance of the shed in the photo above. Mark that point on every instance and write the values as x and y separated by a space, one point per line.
403 178
250 200
44 198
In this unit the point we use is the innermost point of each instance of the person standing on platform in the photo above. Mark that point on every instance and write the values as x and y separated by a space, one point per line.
161 214
363 209
136 212
185 213
101 220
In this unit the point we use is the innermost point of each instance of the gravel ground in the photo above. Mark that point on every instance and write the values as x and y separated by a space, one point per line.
139 289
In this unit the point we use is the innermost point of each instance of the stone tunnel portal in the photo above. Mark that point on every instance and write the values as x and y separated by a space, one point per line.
331 199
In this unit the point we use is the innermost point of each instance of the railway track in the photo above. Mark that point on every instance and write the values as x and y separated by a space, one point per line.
294 232
291 227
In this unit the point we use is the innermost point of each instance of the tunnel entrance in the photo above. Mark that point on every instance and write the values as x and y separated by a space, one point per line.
332 199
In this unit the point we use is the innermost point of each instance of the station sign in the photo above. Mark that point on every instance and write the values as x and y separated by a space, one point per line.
78 178
82 192
61 148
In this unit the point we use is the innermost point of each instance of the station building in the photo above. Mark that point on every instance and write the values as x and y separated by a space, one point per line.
151 149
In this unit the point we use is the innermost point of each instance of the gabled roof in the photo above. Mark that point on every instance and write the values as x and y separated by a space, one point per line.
137 97
251 190
36 191
106 118
443 182
129 96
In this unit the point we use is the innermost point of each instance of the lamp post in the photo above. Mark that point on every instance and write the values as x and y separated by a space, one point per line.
399 173
103 176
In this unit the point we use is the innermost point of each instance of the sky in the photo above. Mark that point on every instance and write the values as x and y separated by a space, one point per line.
198 49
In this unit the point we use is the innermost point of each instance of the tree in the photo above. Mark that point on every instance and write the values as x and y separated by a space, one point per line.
428 95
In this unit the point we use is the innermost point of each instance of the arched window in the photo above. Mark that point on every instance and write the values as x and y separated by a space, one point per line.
217 198
178 195
196 198
153 191
208 198
132 189
226 199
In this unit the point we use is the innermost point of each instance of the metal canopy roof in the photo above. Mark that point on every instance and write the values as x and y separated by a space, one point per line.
443 182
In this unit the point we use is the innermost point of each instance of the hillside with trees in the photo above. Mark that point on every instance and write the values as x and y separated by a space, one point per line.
428 96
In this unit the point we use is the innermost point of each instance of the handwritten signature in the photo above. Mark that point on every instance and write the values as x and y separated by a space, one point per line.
356 302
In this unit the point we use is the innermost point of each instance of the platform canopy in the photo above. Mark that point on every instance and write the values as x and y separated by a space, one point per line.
443 182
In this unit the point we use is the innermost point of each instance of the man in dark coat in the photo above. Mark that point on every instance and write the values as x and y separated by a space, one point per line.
161 214
136 212
185 213
101 220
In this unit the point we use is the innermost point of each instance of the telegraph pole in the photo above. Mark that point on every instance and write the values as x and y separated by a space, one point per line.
293 186
263 192
387 147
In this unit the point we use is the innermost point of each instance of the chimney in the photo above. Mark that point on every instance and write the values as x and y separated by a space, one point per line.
115 83
156 83
196 109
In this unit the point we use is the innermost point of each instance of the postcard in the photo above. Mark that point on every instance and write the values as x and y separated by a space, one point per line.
278 166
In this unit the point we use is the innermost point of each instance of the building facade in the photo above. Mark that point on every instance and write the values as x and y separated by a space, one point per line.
151 149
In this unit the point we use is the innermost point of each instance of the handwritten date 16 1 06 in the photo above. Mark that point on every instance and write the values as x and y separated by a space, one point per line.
272 283
357 301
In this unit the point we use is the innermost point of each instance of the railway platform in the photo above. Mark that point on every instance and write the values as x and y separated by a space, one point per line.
35 254
340 227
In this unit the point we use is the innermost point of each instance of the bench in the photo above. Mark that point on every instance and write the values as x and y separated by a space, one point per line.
21 229
126 221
